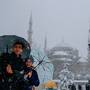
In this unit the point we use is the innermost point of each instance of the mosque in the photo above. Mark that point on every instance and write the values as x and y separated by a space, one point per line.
62 54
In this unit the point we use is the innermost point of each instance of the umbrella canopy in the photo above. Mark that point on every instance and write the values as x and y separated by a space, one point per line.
6 42
42 64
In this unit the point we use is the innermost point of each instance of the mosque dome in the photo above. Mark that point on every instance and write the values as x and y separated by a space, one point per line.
64 52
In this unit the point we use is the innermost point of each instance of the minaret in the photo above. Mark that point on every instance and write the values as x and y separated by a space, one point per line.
45 45
30 31
89 45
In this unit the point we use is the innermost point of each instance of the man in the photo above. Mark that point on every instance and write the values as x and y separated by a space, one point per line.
12 64
30 76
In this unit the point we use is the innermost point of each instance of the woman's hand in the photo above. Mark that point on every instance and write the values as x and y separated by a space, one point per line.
28 75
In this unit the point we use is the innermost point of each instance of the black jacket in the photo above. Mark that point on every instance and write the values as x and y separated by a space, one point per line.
17 66
16 62
28 83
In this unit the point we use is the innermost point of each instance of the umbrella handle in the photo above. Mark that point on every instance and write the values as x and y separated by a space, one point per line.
40 62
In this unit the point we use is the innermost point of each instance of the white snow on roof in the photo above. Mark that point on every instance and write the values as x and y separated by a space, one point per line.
82 60
60 53
81 81
66 59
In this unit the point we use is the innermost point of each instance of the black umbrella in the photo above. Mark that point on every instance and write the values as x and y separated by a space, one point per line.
6 42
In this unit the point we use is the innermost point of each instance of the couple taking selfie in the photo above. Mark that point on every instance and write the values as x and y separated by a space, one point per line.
17 73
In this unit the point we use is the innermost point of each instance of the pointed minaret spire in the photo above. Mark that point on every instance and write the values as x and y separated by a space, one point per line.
30 31
45 44
89 45
89 36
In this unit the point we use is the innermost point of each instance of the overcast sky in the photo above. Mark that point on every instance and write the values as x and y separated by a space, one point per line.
59 20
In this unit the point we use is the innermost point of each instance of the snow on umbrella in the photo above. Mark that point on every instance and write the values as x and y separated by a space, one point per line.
6 42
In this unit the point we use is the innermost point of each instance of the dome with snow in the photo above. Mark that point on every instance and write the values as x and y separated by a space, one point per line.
63 52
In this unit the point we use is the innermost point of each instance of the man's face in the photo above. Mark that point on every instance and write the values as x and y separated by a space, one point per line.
29 63
17 49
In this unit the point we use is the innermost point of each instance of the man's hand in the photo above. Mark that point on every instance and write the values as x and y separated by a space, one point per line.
9 69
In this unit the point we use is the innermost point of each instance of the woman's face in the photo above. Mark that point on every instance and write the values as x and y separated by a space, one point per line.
29 63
